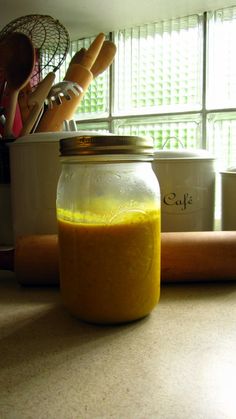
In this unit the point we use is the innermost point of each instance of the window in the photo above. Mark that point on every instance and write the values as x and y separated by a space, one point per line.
158 67
171 79
174 80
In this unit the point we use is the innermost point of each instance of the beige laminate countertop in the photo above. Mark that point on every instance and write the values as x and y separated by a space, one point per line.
180 362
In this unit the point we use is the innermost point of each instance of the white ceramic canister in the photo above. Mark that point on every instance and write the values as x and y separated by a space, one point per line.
228 199
35 169
187 183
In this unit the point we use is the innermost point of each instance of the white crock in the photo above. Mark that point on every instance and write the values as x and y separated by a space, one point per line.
187 182
35 169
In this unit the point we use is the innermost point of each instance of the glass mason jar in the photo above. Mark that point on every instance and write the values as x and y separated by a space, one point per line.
108 211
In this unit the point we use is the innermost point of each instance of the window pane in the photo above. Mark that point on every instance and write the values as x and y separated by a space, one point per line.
95 101
92 126
221 80
167 132
158 67
221 138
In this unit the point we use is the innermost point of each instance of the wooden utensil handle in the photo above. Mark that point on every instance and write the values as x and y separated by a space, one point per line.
30 121
36 102
76 59
89 57
23 101
104 58
52 120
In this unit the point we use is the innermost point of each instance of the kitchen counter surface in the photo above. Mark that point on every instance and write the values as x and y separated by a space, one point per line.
179 362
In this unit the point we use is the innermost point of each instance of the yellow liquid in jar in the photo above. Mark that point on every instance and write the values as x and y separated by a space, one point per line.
110 273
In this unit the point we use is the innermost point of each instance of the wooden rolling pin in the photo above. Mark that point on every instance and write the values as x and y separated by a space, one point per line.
34 260
198 256
188 256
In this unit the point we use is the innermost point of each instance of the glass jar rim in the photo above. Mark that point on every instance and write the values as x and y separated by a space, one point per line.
98 145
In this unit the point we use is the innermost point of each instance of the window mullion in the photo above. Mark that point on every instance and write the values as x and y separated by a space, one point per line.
204 81
110 88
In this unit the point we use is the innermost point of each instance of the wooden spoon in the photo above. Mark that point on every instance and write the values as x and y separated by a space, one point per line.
52 119
103 60
77 57
36 101
17 59
90 56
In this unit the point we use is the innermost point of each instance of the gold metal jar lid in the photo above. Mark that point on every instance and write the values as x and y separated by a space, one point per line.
105 145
